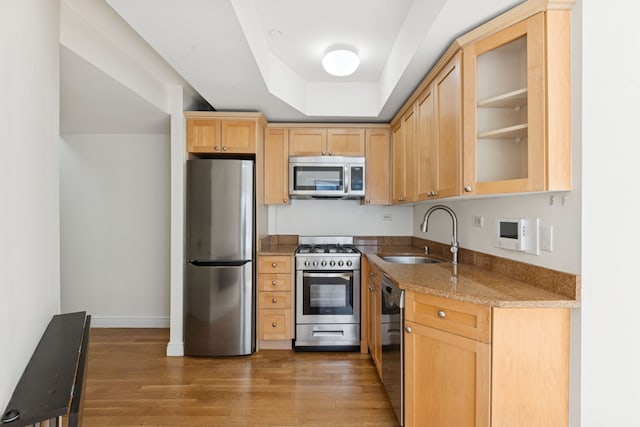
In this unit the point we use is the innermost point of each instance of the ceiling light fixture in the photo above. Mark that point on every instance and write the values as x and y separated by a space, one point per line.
340 62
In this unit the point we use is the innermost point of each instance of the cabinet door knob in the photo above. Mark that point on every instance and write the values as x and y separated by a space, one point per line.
330 153
284 200
324 153
408 329
274 300
274 324
373 273
273 264
224 148
217 148
467 188
442 314
367 201
273 282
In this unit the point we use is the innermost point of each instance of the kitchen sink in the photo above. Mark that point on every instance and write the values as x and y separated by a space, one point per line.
409 259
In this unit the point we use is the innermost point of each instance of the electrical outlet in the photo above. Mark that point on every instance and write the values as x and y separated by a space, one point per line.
478 221
387 217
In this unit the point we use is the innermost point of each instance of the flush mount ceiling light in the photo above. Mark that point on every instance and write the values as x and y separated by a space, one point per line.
340 62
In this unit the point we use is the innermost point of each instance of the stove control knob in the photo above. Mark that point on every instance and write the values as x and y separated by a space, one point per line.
307 263
324 263
315 263
340 263
332 263
349 263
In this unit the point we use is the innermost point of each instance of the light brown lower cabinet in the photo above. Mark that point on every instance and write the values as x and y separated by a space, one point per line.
473 365
275 302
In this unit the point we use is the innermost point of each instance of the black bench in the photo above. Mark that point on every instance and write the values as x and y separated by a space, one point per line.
51 385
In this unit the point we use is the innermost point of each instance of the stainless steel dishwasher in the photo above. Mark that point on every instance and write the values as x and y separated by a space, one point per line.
391 323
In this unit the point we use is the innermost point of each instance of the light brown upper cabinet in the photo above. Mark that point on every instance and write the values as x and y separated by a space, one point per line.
203 135
221 133
276 166
517 108
438 140
326 142
377 167
402 158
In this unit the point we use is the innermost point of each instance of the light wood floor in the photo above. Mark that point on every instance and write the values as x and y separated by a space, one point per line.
130 382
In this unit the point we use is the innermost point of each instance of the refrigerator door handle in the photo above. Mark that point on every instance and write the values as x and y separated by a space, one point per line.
238 263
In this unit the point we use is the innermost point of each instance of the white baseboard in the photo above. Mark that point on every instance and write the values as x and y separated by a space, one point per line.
129 322
175 349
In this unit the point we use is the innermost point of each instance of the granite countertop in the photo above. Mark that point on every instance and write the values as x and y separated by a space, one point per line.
469 283
277 250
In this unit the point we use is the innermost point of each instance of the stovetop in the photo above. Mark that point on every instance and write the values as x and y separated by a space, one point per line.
327 249
327 253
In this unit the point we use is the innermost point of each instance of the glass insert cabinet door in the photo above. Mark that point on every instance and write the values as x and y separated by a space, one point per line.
508 131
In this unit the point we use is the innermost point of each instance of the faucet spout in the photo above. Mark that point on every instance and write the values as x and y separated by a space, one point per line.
454 232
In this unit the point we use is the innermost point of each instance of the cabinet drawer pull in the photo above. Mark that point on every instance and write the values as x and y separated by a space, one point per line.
274 300
273 282
408 329
273 264
442 314
274 324
467 188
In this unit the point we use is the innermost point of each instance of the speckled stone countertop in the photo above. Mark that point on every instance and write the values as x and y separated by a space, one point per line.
278 245
277 250
469 282
481 278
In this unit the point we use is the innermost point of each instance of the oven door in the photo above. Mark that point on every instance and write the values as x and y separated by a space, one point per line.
327 297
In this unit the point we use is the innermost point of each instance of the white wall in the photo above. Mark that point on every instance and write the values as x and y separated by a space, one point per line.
610 236
340 217
114 192
29 236
563 216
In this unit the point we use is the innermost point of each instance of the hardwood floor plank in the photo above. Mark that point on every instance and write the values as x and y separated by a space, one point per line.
131 382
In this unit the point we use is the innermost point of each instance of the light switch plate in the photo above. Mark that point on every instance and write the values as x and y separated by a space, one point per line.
546 238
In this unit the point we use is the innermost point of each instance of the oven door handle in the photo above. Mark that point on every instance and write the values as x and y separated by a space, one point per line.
327 333
345 276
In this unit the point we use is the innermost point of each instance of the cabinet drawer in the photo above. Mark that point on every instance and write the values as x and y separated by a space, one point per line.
274 282
274 264
269 300
458 317
275 324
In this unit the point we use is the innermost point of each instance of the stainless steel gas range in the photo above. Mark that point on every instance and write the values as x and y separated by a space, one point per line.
327 294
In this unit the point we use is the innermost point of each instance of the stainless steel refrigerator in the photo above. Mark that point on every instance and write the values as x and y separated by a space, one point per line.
219 299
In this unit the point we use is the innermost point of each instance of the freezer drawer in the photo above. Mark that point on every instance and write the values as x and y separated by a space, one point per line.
219 307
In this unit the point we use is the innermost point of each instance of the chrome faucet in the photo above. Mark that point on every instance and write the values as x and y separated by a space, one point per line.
454 234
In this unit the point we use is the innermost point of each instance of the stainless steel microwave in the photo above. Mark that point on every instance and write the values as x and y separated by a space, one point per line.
326 177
